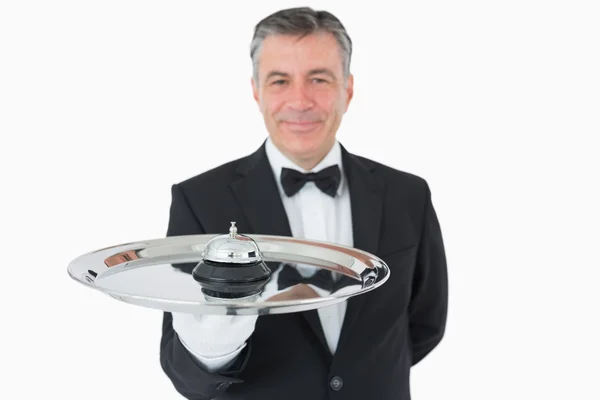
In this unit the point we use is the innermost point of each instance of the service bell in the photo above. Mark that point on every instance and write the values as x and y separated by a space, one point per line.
232 267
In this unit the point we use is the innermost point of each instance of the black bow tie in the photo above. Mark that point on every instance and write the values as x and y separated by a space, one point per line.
328 180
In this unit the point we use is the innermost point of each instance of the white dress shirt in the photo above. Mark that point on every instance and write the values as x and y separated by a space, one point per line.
312 215
315 215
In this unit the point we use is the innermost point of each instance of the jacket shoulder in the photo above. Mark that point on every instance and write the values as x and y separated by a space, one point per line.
216 177
396 178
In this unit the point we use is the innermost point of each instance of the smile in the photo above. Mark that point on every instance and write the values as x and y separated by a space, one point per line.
301 126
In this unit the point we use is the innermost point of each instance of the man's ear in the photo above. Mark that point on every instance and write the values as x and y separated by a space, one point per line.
349 90
255 91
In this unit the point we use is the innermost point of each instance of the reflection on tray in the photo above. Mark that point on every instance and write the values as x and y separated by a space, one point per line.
121 258
289 282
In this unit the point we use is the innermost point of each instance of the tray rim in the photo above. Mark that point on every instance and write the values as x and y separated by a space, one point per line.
262 307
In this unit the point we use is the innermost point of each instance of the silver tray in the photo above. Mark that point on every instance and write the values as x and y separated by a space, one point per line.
157 274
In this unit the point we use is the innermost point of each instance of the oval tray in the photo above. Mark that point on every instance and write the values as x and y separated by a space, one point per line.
157 274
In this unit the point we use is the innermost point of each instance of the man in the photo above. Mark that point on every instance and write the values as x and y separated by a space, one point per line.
360 349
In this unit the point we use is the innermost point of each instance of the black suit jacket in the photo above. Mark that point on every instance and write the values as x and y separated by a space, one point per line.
385 331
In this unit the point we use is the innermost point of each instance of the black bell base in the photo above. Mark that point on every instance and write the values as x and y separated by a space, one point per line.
231 280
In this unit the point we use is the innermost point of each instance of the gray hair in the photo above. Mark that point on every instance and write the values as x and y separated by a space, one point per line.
301 21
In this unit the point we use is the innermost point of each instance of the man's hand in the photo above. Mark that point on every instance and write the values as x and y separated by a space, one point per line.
212 336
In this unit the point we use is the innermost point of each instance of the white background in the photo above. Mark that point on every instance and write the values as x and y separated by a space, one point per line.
105 104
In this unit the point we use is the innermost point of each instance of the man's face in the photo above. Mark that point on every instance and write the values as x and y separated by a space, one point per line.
301 94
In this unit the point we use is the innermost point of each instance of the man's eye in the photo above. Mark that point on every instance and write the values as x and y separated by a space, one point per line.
319 80
278 82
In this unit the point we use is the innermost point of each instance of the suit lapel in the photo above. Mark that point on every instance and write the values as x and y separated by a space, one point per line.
366 199
260 201
257 194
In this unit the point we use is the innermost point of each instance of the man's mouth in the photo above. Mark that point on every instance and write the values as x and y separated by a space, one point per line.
301 126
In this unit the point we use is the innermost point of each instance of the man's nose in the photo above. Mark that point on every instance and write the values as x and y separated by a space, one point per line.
300 98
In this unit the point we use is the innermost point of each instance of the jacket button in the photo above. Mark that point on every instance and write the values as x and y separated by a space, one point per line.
336 383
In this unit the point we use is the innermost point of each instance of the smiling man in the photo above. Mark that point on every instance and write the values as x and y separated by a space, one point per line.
302 182
303 90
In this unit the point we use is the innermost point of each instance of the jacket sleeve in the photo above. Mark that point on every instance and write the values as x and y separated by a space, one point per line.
429 301
188 377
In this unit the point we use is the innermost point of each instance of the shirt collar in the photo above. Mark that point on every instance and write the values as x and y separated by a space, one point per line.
278 161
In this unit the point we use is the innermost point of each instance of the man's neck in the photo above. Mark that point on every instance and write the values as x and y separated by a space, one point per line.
308 163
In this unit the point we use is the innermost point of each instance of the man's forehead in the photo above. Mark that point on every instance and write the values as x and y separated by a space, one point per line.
293 54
